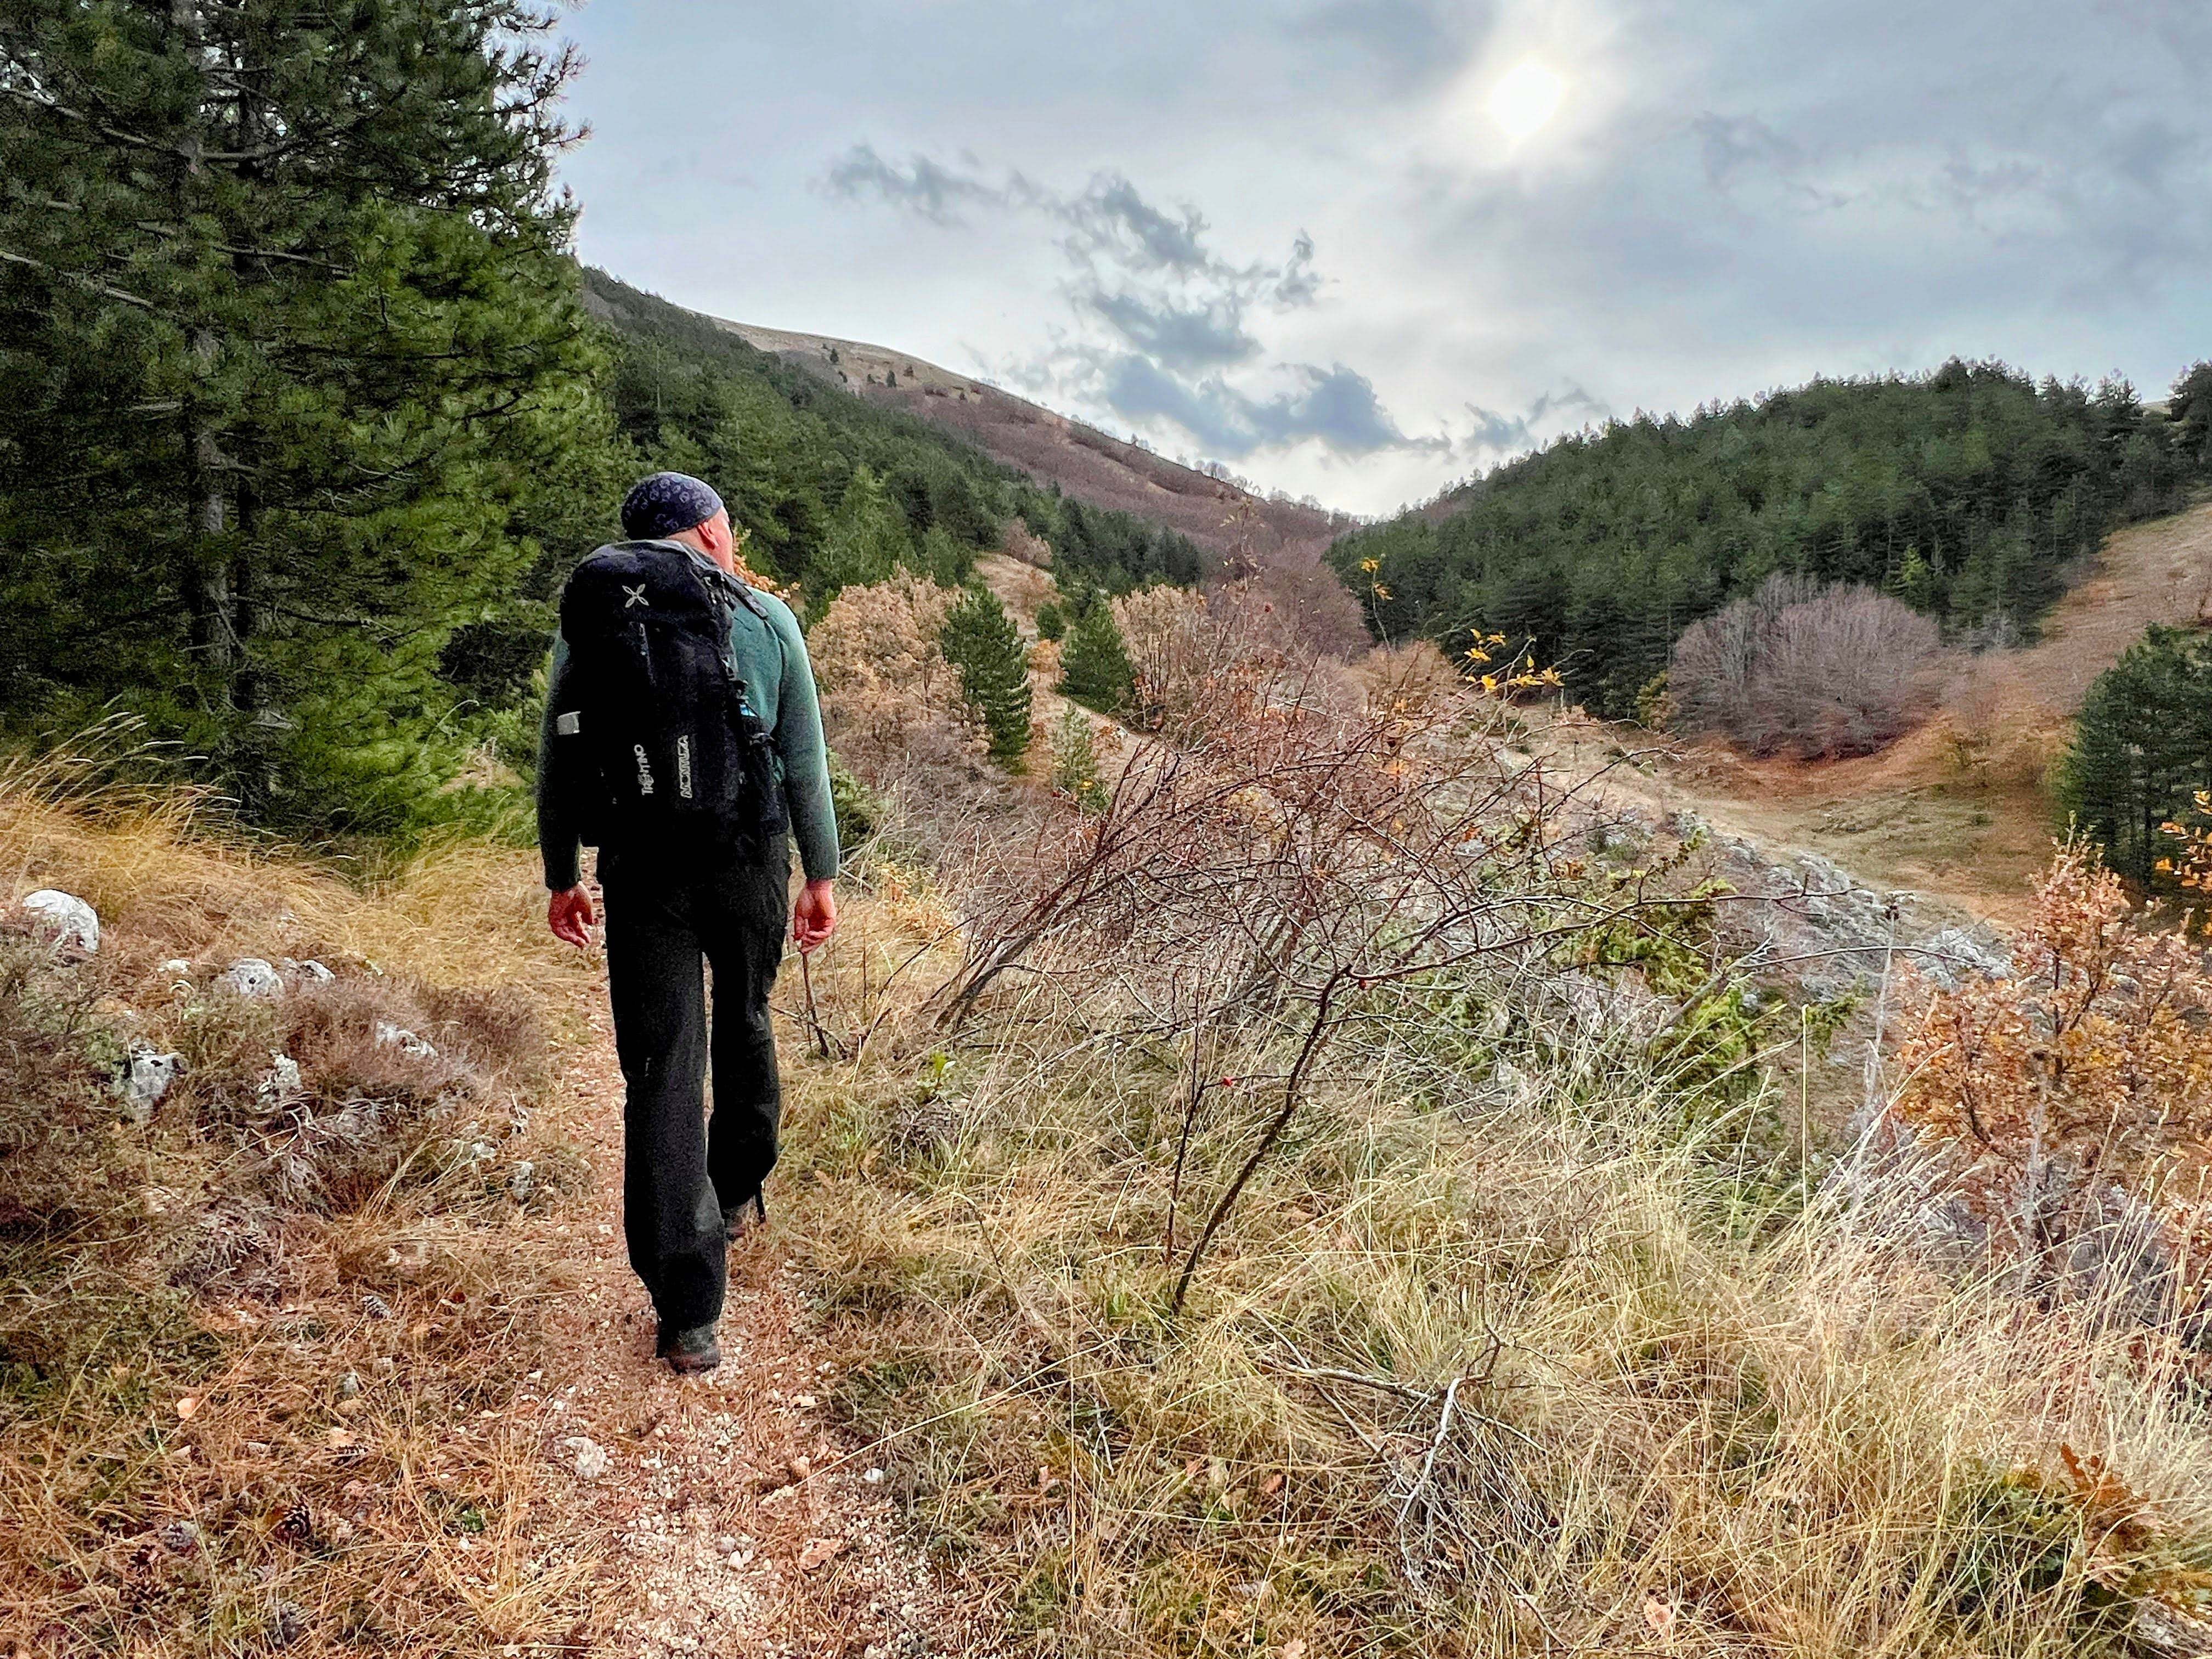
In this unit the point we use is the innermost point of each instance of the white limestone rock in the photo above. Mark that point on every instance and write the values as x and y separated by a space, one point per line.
147 1075
282 1083
250 976
65 919
394 1036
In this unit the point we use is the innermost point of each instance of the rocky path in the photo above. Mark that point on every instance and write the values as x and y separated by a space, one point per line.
734 1520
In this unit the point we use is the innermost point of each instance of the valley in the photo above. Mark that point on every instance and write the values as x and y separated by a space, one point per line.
1957 810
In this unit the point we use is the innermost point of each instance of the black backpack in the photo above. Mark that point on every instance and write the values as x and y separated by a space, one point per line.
667 751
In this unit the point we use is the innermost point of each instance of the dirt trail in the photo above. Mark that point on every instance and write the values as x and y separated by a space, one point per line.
733 1519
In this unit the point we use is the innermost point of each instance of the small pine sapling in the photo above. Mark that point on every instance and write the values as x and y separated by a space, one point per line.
980 640
1075 761
1095 667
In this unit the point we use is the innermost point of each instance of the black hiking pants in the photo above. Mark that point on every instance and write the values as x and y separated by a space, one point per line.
681 1176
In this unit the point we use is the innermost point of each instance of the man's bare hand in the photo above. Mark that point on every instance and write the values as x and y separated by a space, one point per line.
815 917
570 915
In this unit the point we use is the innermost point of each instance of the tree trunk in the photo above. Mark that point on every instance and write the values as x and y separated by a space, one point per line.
208 593
210 599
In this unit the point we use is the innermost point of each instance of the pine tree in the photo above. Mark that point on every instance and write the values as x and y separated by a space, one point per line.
981 640
2141 749
288 337
868 539
1914 583
1094 664
2191 409
1075 761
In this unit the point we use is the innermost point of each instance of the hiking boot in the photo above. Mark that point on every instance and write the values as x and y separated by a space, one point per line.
749 1216
689 1353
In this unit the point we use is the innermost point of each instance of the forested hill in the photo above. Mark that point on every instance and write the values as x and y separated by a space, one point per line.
1973 494
758 402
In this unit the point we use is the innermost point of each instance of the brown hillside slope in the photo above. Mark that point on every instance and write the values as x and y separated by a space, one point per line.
1957 810
1084 462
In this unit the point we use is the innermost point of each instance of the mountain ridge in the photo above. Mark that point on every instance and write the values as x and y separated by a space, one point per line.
1082 459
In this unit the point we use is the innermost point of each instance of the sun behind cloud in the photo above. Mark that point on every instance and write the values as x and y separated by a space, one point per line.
1526 96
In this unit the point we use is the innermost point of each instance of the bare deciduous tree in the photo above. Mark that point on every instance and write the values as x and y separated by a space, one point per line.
1808 670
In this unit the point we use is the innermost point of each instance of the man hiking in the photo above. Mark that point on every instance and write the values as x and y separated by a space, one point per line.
683 738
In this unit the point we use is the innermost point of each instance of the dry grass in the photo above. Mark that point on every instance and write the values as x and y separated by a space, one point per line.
1515 1348
263 1362
168 869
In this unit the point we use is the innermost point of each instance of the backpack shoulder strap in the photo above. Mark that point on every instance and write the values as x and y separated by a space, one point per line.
751 600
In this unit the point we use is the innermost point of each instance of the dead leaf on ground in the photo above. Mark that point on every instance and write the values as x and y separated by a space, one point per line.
187 1407
1658 1613
818 1550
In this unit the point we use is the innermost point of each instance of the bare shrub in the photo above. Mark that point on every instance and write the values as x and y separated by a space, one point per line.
1997 730
1183 646
1174 644
891 701
2066 1108
1802 669
1291 851
1165 632
1018 541
1314 605
1530 1353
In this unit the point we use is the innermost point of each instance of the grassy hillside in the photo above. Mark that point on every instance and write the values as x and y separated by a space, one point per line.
1213 1224
1972 494
1243 1228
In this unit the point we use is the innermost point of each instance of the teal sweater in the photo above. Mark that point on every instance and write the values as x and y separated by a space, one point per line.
772 661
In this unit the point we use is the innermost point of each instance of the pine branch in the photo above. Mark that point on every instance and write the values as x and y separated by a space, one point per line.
107 290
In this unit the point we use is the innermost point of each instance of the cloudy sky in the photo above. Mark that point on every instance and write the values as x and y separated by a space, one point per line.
1358 248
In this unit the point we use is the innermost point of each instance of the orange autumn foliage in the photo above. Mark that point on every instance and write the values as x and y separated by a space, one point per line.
2190 862
2084 1079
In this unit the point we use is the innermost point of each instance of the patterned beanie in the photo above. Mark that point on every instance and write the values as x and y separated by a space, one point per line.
663 503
